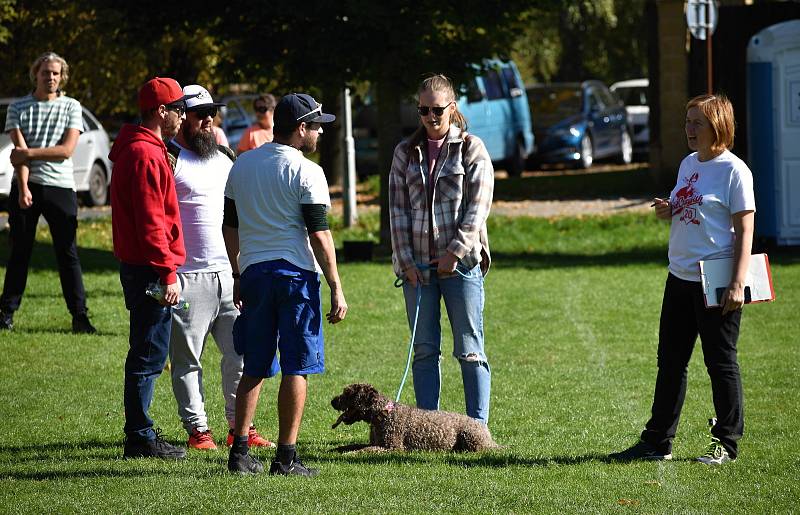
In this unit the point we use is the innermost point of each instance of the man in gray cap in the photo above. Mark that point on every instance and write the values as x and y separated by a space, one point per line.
200 167
277 236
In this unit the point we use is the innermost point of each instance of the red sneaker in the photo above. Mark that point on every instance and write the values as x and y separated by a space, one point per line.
203 440
253 438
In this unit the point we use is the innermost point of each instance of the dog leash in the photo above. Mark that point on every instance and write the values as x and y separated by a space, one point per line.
397 284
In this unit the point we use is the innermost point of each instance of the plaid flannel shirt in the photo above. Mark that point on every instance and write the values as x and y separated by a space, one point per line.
463 184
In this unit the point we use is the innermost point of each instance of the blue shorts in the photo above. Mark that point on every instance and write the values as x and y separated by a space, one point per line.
281 312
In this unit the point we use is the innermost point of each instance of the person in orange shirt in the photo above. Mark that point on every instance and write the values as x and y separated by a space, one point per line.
261 131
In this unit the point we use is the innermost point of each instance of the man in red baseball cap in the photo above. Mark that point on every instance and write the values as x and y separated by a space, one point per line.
148 242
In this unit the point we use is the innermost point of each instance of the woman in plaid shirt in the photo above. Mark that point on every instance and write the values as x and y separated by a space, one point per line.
440 192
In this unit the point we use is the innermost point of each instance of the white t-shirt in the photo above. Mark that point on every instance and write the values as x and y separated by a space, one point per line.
200 186
703 200
269 184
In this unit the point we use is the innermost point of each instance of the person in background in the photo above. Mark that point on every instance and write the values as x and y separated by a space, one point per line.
711 214
440 192
219 134
44 127
201 167
261 131
276 202
148 242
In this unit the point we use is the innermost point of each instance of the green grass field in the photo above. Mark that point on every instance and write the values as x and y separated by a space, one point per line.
572 310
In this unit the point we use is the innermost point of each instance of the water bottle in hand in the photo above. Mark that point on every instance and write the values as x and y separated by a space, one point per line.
156 291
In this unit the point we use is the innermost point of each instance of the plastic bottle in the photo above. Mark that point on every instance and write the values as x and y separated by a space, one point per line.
156 291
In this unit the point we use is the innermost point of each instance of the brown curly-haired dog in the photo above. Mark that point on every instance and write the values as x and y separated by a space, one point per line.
396 426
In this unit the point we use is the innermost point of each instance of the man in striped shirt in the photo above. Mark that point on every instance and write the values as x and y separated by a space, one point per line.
44 127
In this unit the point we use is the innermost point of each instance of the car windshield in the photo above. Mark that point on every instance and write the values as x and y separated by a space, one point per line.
550 105
633 96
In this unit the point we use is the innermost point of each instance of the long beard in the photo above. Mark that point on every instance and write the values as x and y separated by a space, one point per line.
204 144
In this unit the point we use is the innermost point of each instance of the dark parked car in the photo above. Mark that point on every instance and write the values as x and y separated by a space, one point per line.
577 123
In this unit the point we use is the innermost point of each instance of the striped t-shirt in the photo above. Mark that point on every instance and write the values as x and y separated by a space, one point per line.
43 124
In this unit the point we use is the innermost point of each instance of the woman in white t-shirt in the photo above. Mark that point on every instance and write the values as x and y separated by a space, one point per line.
711 210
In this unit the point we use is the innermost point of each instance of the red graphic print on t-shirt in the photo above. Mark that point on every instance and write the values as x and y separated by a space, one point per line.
685 198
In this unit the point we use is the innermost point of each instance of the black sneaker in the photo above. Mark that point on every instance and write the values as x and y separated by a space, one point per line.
295 468
157 448
640 451
81 324
6 320
244 464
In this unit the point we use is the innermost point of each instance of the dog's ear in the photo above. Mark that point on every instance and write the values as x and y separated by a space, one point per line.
352 390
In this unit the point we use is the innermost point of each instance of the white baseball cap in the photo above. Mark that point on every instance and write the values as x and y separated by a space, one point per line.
197 96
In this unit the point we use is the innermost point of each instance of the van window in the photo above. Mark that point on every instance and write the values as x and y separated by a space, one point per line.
636 96
474 93
510 77
493 85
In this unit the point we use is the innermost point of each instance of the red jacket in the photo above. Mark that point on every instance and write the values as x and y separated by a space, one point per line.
145 218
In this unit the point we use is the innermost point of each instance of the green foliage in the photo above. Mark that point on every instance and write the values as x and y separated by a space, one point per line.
573 363
586 39
7 14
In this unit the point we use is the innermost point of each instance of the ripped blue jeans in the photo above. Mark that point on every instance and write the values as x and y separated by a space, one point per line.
463 299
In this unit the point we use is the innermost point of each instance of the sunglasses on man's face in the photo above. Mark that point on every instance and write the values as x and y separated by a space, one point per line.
205 112
178 108
261 109
437 110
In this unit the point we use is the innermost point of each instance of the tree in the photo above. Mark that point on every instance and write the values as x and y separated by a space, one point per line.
324 46
602 39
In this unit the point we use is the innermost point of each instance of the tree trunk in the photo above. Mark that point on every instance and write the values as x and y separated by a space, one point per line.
331 156
390 133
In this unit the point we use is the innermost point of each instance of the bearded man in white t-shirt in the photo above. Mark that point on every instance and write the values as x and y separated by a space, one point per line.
201 169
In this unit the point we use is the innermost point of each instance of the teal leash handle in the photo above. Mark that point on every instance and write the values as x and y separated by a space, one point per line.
397 284
411 343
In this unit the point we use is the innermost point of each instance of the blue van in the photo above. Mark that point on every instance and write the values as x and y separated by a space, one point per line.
495 106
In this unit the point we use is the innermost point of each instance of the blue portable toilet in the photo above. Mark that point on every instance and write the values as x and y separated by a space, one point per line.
773 112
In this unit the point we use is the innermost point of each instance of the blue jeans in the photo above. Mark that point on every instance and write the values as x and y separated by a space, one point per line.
150 327
463 299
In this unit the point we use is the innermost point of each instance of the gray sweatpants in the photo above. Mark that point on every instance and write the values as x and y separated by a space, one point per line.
211 310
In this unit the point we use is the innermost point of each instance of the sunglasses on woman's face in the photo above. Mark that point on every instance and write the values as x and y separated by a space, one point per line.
261 109
437 110
205 112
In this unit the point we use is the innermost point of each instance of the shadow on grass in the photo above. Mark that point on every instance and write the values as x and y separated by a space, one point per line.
538 260
582 185
58 475
44 258
25 326
491 459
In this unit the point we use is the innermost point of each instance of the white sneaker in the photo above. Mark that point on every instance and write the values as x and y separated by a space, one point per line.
716 454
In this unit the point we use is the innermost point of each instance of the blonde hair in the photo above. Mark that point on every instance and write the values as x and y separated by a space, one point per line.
719 112
50 56
440 84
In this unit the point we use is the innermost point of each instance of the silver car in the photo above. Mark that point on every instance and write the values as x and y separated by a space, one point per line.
634 94
90 159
